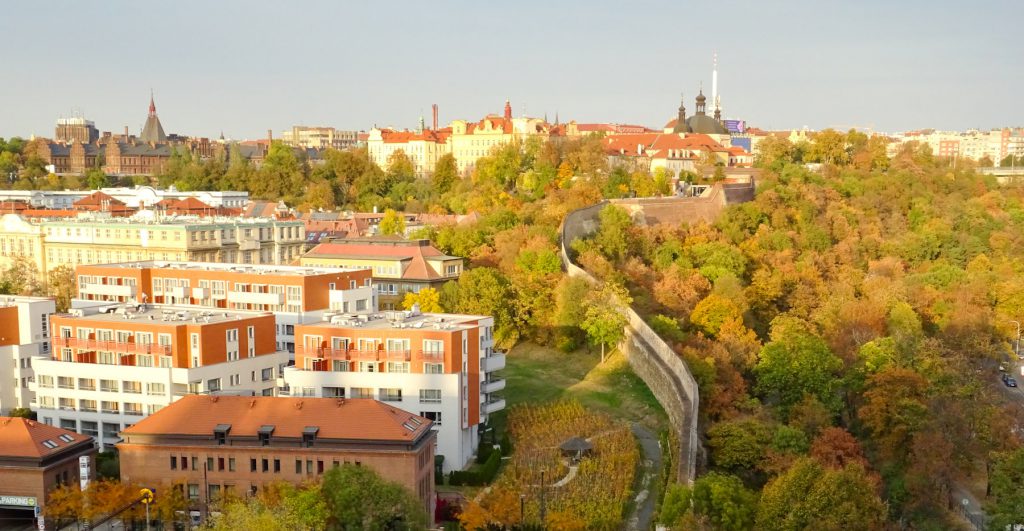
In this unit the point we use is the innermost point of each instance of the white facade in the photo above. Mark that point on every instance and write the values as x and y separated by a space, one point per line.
16 370
133 197
101 400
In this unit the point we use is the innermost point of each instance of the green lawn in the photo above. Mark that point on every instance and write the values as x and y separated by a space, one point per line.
540 374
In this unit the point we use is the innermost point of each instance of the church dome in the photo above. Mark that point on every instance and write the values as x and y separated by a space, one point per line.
704 124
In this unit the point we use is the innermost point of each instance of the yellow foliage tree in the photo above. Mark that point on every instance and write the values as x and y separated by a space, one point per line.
428 298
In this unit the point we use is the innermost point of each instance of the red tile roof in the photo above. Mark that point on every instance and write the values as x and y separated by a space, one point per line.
346 419
21 437
415 252
97 199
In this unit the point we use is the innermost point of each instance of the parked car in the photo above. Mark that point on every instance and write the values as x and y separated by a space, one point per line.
1010 382
1005 376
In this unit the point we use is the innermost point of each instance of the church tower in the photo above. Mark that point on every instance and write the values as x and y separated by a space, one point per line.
153 132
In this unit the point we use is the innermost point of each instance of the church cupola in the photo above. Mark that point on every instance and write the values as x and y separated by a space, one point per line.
700 102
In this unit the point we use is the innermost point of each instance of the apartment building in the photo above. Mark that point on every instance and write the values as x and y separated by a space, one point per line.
399 266
132 197
218 445
109 370
98 238
294 294
439 366
319 137
35 459
24 333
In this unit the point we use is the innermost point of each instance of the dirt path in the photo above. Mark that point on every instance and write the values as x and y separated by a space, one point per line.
650 467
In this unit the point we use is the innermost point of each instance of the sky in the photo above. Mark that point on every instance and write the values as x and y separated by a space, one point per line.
246 67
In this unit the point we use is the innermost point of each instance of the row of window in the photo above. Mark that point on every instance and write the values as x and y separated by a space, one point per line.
398 367
93 406
266 464
110 386
90 428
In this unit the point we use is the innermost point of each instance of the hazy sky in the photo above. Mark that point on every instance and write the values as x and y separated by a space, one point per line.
244 67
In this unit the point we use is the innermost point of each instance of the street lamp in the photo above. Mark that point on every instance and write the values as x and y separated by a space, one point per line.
543 504
1016 345
522 509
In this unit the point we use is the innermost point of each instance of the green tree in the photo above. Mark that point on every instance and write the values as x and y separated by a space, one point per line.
96 179
796 364
357 498
725 502
445 173
612 237
809 496
1006 505
603 320
773 152
739 445
280 177
392 223
429 300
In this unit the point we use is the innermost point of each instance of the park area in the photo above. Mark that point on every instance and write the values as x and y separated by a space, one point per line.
569 417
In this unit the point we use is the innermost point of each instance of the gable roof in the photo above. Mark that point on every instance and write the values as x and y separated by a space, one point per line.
20 437
416 253
96 199
344 419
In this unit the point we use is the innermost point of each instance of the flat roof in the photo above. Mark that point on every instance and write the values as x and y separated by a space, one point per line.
400 320
264 269
161 313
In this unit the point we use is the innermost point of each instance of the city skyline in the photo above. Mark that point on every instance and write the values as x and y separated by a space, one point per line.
887 68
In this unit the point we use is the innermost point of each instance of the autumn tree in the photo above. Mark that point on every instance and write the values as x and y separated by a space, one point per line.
428 299
809 496
392 223
61 286
445 173
794 364
895 407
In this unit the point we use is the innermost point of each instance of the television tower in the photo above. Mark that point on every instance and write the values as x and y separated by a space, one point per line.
714 82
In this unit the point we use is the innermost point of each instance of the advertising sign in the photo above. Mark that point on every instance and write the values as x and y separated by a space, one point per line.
83 471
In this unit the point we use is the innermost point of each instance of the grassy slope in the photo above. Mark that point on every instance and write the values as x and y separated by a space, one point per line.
539 374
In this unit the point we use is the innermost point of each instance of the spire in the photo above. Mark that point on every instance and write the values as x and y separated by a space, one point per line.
682 108
546 117
508 109
714 81
152 104
556 118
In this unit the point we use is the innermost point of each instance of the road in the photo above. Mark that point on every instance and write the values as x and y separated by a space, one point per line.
647 496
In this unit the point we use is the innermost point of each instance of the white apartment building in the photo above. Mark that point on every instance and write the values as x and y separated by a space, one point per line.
24 333
107 371
133 197
294 294
439 366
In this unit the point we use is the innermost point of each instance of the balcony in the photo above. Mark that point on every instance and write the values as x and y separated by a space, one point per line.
93 345
115 290
492 385
493 405
178 291
245 297
494 362
353 354
200 293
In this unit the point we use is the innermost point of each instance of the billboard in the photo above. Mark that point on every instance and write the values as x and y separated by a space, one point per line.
735 126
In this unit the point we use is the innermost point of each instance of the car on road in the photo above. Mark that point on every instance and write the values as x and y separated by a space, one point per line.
1004 377
1010 382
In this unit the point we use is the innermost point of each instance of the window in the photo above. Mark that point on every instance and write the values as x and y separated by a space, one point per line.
398 366
362 392
109 386
430 396
231 464
298 466
213 385
392 394
266 465
277 466
252 465
340 366
368 366
433 368
267 373
131 387
432 415
174 462
193 491
155 389
433 347
209 464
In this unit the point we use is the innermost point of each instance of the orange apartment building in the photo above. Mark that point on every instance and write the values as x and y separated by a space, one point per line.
440 366
34 459
216 445
294 294
109 370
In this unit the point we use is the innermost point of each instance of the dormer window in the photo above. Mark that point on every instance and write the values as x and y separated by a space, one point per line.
220 433
309 435
264 434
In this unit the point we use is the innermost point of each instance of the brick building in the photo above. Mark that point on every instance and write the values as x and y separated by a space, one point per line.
36 458
216 445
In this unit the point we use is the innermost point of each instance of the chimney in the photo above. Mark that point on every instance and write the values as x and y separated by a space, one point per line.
434 107
126 132
270 135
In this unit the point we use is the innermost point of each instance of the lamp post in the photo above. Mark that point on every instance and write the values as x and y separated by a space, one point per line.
1016 344
522 509
543 502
